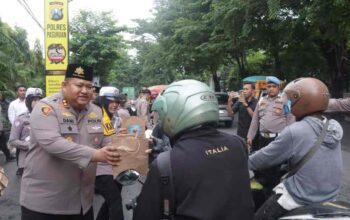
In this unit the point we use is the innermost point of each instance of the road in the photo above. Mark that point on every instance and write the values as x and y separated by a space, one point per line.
9 203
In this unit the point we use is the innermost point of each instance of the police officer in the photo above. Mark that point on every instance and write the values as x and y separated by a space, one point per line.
20 129
209 168
123 112
142 103
318 179
65 144
270 119
338 105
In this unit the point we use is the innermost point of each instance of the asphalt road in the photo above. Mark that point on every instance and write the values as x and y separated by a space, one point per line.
9 202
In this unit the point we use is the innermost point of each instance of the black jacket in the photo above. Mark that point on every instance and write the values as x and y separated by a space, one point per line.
210 177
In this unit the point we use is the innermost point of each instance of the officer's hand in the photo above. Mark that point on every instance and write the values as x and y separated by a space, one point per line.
249 142
107 154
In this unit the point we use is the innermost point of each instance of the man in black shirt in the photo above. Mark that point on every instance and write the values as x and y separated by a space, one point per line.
245 106
208 168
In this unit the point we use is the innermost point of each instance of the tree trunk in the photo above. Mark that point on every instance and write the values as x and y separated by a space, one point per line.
216 80
334 55
278 71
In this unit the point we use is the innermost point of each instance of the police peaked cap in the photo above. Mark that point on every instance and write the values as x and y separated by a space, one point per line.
34 92
79 71
273 80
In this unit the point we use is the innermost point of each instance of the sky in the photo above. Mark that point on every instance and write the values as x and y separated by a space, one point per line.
13 13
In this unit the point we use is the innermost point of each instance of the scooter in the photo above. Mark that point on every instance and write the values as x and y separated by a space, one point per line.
328 210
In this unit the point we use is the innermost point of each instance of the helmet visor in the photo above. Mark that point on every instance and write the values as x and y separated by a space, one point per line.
287 103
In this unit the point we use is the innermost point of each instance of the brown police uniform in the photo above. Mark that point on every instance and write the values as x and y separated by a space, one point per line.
338 105
59 177
19 136
270 118
142 107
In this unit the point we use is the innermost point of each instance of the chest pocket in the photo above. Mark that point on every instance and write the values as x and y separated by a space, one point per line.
26 130
69 128
262 108
95 131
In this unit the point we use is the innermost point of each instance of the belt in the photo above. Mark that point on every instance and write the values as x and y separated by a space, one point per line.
268 135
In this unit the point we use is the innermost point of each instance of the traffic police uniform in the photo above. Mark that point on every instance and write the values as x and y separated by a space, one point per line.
338 105
59 177
270 119
19 136
210 177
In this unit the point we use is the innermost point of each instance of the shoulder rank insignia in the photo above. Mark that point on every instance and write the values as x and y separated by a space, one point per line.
46 110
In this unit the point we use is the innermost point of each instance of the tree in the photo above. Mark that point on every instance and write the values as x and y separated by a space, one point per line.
18 64
95 41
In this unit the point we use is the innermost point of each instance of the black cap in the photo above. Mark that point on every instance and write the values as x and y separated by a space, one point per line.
121 97
97 89
145 90
79 71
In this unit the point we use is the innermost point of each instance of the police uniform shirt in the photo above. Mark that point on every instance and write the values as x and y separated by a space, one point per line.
123 112
142 107
269 117
58 177
19 136
338 105
210 176
244 118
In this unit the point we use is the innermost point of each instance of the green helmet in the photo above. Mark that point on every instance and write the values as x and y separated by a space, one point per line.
186 104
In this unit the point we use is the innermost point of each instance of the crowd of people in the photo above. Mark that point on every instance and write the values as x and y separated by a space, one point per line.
65 155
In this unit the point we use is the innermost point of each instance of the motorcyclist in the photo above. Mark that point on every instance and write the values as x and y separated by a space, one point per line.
318 180
208 167
105 183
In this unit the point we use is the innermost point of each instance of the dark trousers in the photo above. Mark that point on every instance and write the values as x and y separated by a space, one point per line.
270 210
3 144
110 189
270 177
32 215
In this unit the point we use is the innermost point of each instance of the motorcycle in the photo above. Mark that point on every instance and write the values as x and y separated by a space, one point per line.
338 210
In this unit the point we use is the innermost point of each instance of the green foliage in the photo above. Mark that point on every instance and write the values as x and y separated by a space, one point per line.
19 64
95 41
289 39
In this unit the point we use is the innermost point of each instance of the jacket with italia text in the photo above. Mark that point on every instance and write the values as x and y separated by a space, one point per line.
211 179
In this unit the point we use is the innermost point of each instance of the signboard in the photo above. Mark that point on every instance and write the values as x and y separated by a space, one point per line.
53 84
56 34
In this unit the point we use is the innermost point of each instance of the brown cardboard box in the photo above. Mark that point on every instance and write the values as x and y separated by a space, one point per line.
132 152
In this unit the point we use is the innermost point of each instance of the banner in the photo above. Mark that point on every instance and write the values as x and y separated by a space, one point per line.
53 84
56 34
